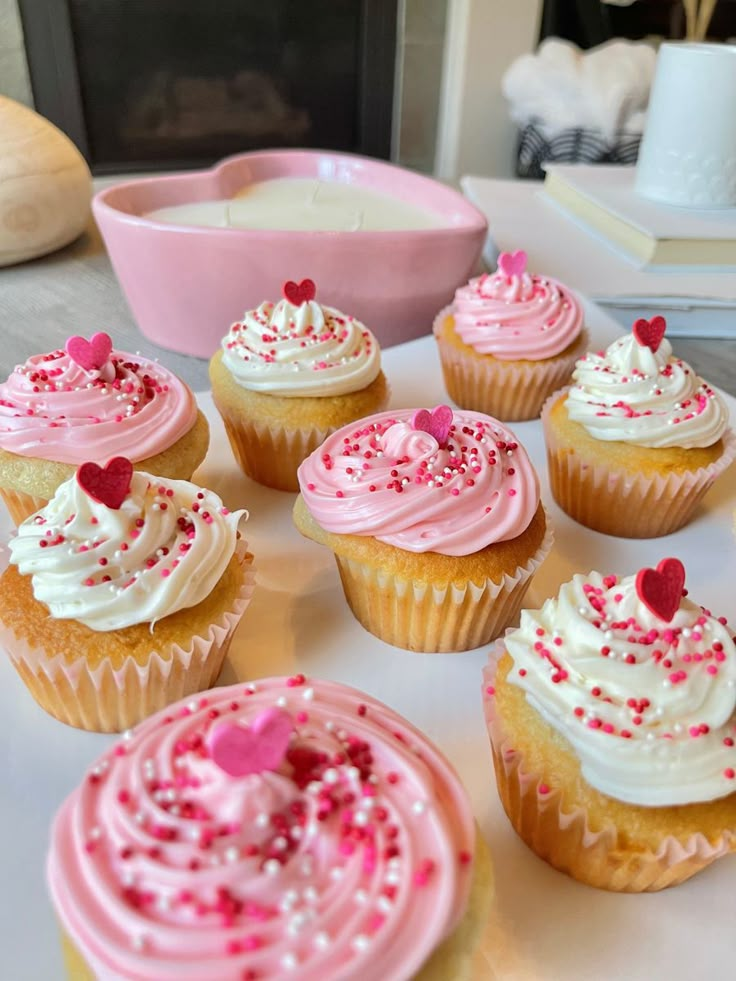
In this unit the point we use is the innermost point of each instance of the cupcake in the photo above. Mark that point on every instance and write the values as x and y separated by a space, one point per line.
612 715
122 594
58 410
637 440
509 340
289 374
284 828
435 522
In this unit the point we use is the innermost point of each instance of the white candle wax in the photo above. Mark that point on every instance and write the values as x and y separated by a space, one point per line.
303 204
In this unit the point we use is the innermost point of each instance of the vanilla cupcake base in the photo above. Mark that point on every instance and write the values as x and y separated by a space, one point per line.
629 500
428 602
28 483
547 817
512 391
107 698
271 435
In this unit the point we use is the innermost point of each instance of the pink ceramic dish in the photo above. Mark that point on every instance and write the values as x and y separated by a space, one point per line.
185 285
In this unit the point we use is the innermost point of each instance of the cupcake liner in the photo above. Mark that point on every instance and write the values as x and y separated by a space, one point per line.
509 391
564 838
104 699
623 503
271 454
421 616
20 505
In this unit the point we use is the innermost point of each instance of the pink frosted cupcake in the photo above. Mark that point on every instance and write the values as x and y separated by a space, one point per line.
435 522
286 828
509 340
91 402
612 714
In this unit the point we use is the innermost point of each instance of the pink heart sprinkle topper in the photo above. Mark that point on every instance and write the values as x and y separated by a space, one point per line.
298 293
512 263
240 750
108 485
660 589
437 422
92 354
649 333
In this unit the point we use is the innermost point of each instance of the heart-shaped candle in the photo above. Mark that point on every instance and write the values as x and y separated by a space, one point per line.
660 589
261 746
92 354
108 485
649 333
437 422
298 293
512 263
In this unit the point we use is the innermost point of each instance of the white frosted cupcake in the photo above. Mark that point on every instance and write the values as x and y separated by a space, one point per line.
288 374
638 438
122 594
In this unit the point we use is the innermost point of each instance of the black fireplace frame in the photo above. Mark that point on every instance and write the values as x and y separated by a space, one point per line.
57 95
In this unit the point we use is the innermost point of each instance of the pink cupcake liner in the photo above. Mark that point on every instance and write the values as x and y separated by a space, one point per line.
104 699
511 392
564 838
623 503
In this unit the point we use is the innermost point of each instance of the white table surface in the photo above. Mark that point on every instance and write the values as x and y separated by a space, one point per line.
546 926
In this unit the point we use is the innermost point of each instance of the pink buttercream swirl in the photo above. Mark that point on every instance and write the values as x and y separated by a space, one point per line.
350 860
518 317
382 477
52 408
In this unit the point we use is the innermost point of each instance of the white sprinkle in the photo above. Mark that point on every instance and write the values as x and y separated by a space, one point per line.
419 806
215 859
393 878
281 701
384 904
127 735
336 872
686 632
193 705
280 843
353 773
95 834
261 820
288 900
128 877
139 817
361 818
164 902
272 866
308 694
232 854
331 775
138 942
299 921
310 894
361 897
361 942
330 725
296 832
314 786
193 834
307 866
322 940
289 961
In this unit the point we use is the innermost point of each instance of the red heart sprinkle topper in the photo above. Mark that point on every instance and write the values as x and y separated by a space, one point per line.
262 746
298 293
437 422
90 354
660 589
107 485
649 333
512 263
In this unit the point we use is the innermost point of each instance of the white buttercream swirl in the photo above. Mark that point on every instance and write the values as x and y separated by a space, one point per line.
163 550
301 350
649 707
631 394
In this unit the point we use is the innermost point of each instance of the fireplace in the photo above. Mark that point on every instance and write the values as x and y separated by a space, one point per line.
153 84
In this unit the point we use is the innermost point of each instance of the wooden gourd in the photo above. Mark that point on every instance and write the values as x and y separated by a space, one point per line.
45 185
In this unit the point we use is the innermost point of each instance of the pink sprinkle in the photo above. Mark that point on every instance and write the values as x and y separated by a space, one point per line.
543 788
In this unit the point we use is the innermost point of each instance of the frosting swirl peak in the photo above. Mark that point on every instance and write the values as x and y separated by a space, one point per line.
302 349
633 394
382 477
517 317
164 549
648 704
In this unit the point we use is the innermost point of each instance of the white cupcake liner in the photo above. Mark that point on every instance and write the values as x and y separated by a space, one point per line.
420 616
507 390
104 699
624 503
565 839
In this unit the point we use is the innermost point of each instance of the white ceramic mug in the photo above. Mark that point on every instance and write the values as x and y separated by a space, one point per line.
688 153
